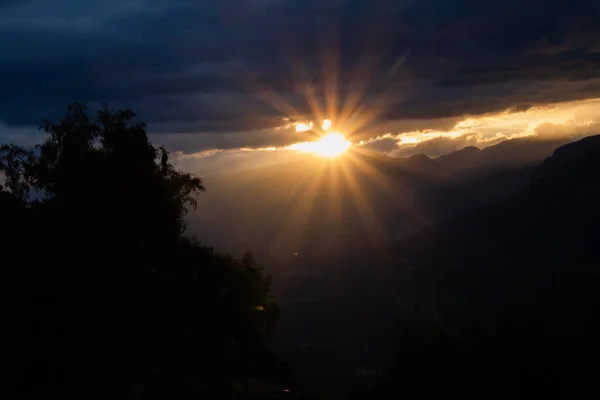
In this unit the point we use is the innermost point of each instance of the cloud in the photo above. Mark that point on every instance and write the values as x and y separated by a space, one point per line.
519 108
562 120
384 144
193 142
236 66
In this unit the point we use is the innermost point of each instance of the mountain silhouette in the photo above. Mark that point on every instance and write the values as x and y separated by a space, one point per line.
521 275
472 162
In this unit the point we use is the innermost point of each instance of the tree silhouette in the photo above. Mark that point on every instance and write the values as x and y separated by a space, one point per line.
102 294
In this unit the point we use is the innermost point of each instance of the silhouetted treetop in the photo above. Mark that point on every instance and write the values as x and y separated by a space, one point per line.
106 170
85 160
100 291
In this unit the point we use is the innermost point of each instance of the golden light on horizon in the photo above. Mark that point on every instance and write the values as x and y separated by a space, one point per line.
330 145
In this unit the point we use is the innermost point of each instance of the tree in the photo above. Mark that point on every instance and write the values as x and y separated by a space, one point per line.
102 294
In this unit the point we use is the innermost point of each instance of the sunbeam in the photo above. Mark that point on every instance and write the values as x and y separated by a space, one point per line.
301 199
369 219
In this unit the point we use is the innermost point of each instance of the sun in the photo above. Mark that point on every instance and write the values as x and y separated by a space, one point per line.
330 145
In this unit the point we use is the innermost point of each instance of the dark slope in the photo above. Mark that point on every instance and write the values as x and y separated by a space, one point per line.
524 274
505 299
469 178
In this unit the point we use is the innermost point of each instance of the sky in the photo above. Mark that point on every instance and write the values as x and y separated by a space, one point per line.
218 79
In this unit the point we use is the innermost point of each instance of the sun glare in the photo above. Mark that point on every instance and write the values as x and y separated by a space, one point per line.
330 145
304 127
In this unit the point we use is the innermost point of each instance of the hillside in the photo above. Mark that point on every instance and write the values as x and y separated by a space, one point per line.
550 223
523 274
504 300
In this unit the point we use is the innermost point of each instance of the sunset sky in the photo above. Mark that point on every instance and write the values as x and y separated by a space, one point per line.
228 81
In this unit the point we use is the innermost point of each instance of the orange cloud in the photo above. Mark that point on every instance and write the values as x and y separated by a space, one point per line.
570 119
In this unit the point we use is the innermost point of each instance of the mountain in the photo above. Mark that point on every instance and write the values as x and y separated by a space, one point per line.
506 296
323 229
560 197
468 178
524 271
472 162
462 160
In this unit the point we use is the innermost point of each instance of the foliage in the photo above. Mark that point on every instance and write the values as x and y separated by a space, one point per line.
101 292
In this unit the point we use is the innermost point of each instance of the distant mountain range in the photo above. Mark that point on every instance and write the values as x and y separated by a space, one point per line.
518 281
534 247
362 196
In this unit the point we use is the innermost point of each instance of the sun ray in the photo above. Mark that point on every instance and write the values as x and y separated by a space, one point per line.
289 197
393 187
294 223
334 200
311 99
300 77
360 82
373 173
330 71
372 109
369 219
249 80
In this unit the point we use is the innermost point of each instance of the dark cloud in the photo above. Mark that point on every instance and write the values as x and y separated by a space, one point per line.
193 142
236 66
385 145
519 108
